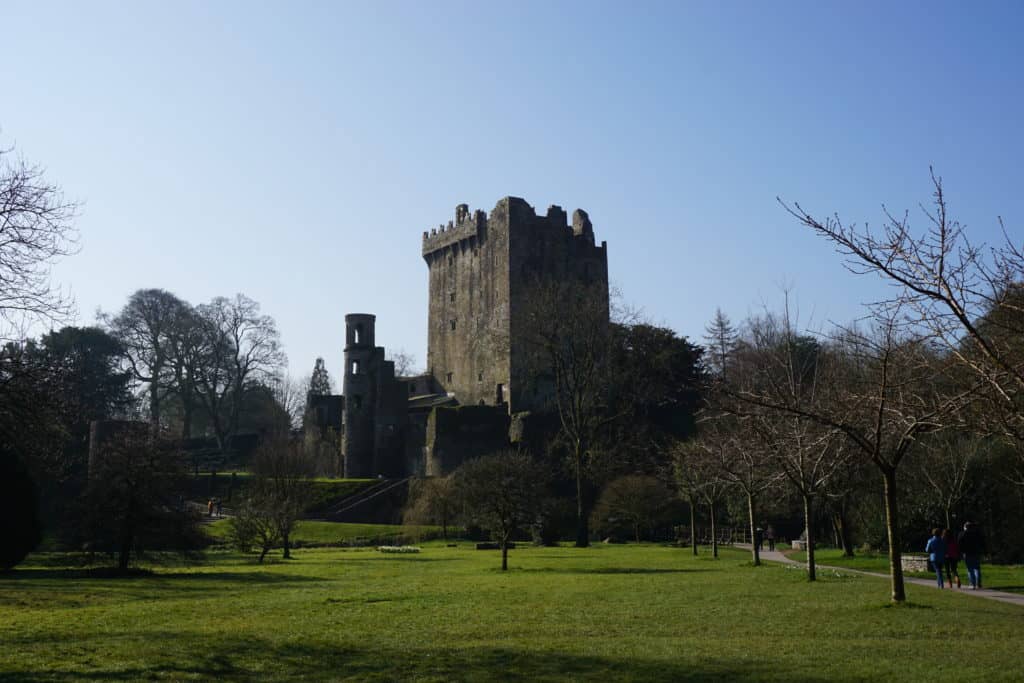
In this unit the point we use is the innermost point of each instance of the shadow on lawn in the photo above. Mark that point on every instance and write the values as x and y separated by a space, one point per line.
249 658
33 574
611 570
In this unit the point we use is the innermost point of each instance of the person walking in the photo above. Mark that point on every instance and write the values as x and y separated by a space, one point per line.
209 507
952 558
936 549
972 546
769 535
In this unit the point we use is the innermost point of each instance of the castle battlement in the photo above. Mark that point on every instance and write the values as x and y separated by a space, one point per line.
474 226
464 227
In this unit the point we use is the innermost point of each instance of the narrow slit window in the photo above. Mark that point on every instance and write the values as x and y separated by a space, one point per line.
452 323
355 367
449 377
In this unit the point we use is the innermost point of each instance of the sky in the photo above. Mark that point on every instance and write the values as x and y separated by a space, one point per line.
295 152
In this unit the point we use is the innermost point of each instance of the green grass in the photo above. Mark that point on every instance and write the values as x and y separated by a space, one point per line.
606 613
322 494
314 533
1000 577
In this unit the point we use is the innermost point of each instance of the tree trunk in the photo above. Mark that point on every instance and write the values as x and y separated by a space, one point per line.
636 532
949 518
809 528
154 405
287 547
843 531
263 552
582 530
504 553
892 532
714 532
753 537
693 526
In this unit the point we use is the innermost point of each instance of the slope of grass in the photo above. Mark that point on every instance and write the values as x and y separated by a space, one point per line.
605 613
1000 577
315 533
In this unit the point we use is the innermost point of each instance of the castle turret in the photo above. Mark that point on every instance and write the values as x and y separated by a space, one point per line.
359 388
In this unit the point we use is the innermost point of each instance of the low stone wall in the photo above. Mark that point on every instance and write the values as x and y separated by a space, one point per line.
914 563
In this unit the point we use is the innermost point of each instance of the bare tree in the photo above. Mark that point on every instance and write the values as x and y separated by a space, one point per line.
146 328
501 493
405 363
968 296
881 389
634 500
699 474
567 348
35 232
746 461
281 487
433 500
291 394
950 458
243 350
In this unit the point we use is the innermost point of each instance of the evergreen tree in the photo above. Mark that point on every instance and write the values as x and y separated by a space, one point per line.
320 383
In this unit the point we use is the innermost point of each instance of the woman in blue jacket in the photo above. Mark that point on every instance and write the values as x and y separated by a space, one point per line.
936 550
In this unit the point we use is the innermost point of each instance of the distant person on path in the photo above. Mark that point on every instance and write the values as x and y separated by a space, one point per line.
220 507
936 550
769 536
952 558
209 508
972 546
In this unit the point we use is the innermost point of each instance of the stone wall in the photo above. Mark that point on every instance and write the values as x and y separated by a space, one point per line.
455 435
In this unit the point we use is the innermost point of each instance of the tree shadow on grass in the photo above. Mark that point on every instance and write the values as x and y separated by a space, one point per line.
612 570
242 659
32 574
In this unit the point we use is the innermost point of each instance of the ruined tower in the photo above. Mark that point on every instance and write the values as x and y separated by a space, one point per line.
375 411
482 269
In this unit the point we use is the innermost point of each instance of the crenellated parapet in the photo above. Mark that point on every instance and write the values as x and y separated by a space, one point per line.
465 226
473 225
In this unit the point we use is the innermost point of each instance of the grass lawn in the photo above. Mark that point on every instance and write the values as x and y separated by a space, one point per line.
314 533
605 613
1000 577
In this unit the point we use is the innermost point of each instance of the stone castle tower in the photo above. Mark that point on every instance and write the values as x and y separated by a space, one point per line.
481 272
374 409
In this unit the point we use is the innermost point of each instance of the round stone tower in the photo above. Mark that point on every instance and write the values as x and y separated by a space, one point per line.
359 387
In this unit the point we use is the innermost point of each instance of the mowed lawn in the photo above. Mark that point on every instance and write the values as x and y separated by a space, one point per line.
1000 577
605 613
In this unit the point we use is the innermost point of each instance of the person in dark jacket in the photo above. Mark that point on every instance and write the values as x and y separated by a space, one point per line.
952 557
972 547
936 550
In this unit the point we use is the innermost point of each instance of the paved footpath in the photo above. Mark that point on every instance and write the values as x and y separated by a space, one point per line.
999 596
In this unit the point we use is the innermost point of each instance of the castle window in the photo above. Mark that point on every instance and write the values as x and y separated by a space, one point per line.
448 377
452 323
451 297
357 335
355 367
479 377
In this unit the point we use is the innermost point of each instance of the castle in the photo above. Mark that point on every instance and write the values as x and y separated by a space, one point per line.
482 270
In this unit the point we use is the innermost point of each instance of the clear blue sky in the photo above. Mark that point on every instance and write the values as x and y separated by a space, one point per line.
296 151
